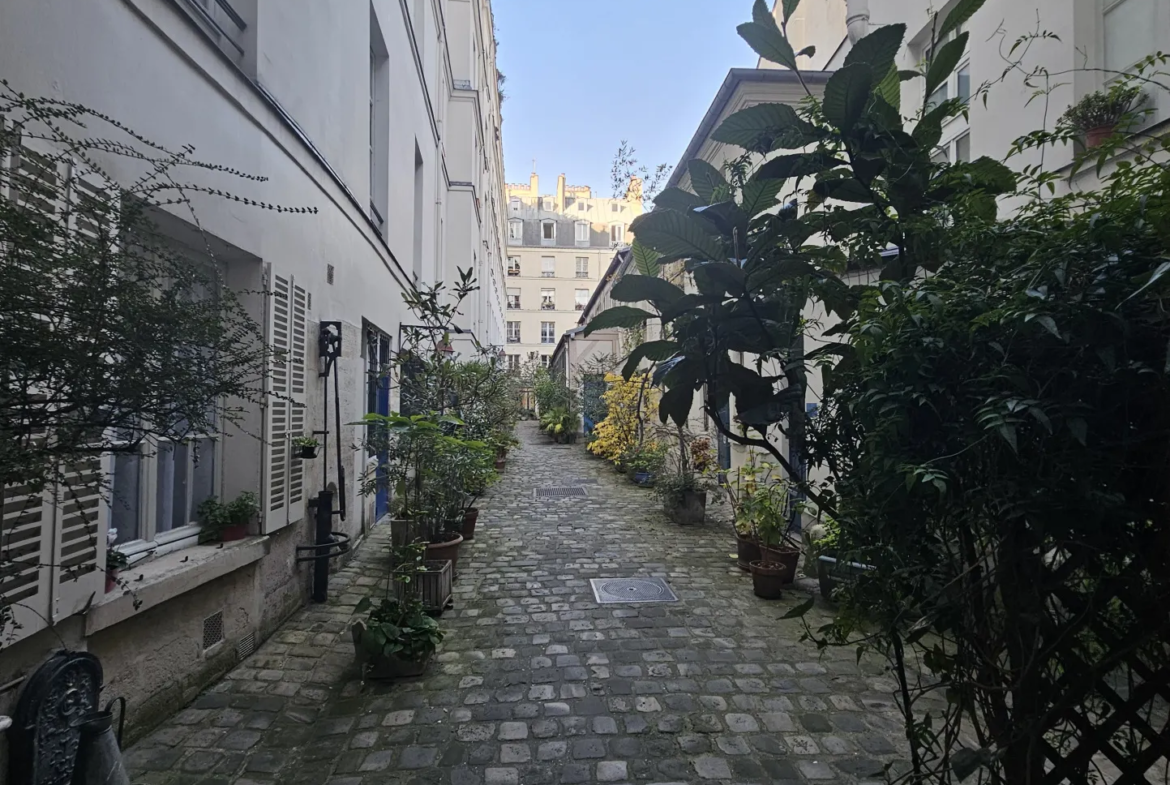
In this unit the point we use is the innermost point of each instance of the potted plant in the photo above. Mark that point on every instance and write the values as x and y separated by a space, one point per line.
227 522
768 578
681 486
1099 113
822 543
116 561
645 464
398 636
741 487
307 446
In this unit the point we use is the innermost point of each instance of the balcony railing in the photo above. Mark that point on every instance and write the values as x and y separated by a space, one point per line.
513 305
582 273
513 339
547 274
548 306
579 307
513 271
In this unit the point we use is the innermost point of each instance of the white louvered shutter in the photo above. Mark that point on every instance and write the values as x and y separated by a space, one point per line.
81 519
284 472
26 551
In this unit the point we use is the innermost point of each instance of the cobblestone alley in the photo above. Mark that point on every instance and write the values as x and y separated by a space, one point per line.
538 683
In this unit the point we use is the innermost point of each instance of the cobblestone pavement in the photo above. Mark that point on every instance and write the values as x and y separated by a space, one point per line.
538 683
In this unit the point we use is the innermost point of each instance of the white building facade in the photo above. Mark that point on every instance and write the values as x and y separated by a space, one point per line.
383 116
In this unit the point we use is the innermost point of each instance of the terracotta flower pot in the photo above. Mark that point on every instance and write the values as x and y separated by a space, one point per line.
500 463
747 550
469 519
1095 137
446 551
782 555
111 580
768 579
233 533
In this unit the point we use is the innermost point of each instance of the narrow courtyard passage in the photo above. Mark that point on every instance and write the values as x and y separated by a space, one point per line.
538 683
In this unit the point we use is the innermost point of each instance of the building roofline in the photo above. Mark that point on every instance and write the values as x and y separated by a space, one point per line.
736 77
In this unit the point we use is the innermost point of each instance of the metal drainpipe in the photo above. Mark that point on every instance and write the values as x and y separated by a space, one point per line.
857 19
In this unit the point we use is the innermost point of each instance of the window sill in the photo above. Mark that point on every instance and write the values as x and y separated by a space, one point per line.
172 575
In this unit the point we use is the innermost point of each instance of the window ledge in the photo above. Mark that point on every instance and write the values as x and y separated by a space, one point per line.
172 575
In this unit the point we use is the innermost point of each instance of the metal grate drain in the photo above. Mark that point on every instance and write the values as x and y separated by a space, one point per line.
612 590
212 630
560 492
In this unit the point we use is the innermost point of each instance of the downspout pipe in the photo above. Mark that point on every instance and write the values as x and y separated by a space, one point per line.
857 19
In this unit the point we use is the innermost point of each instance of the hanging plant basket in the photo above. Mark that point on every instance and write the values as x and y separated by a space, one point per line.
308 451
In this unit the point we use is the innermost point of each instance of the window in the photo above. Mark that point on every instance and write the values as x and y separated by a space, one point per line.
941 93
513 362
548 300
582 266
379 134
546 361
540 203
516 230
964 83
580 299
548 332
582 206
617 234
1131 32
613 207
513 265
963 148
513 299
513 332
514 204
548 267
548 232
581 232
221 22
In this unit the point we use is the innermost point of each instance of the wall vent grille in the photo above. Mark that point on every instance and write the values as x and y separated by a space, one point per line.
212 630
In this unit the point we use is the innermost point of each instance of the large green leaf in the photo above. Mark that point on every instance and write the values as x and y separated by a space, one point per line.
783 167
715 278
845 190
644 288
706 180
768 42
944 62
878 49
890 88
618 316
676 236
676 404
651 350
846 94
765 127
646 259
759 195
677 199
928 131
963 11
789 7
760 12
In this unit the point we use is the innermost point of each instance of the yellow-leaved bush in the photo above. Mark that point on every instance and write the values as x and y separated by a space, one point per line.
630 405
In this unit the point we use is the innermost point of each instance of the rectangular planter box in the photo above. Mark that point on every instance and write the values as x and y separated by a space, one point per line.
375 667
831 573
432 587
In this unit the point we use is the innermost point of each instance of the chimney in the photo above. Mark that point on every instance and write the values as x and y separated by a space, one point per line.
533 185
857 19
561 193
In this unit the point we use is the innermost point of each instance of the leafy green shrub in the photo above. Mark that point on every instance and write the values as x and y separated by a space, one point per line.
1104 108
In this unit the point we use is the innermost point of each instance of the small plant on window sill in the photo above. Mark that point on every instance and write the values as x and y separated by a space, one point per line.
1099 114
307 446
228 522
116 561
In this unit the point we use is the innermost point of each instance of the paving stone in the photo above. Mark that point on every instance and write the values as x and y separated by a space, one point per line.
537 683
712 768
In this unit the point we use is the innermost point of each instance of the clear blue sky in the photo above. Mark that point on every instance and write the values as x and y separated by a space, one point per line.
584 74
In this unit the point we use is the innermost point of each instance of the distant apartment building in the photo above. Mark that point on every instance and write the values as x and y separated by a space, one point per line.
559 245
384 117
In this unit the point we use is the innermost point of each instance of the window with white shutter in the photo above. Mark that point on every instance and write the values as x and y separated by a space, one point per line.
284 501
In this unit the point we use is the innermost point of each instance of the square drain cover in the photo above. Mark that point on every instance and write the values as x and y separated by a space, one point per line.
560 492
612 590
